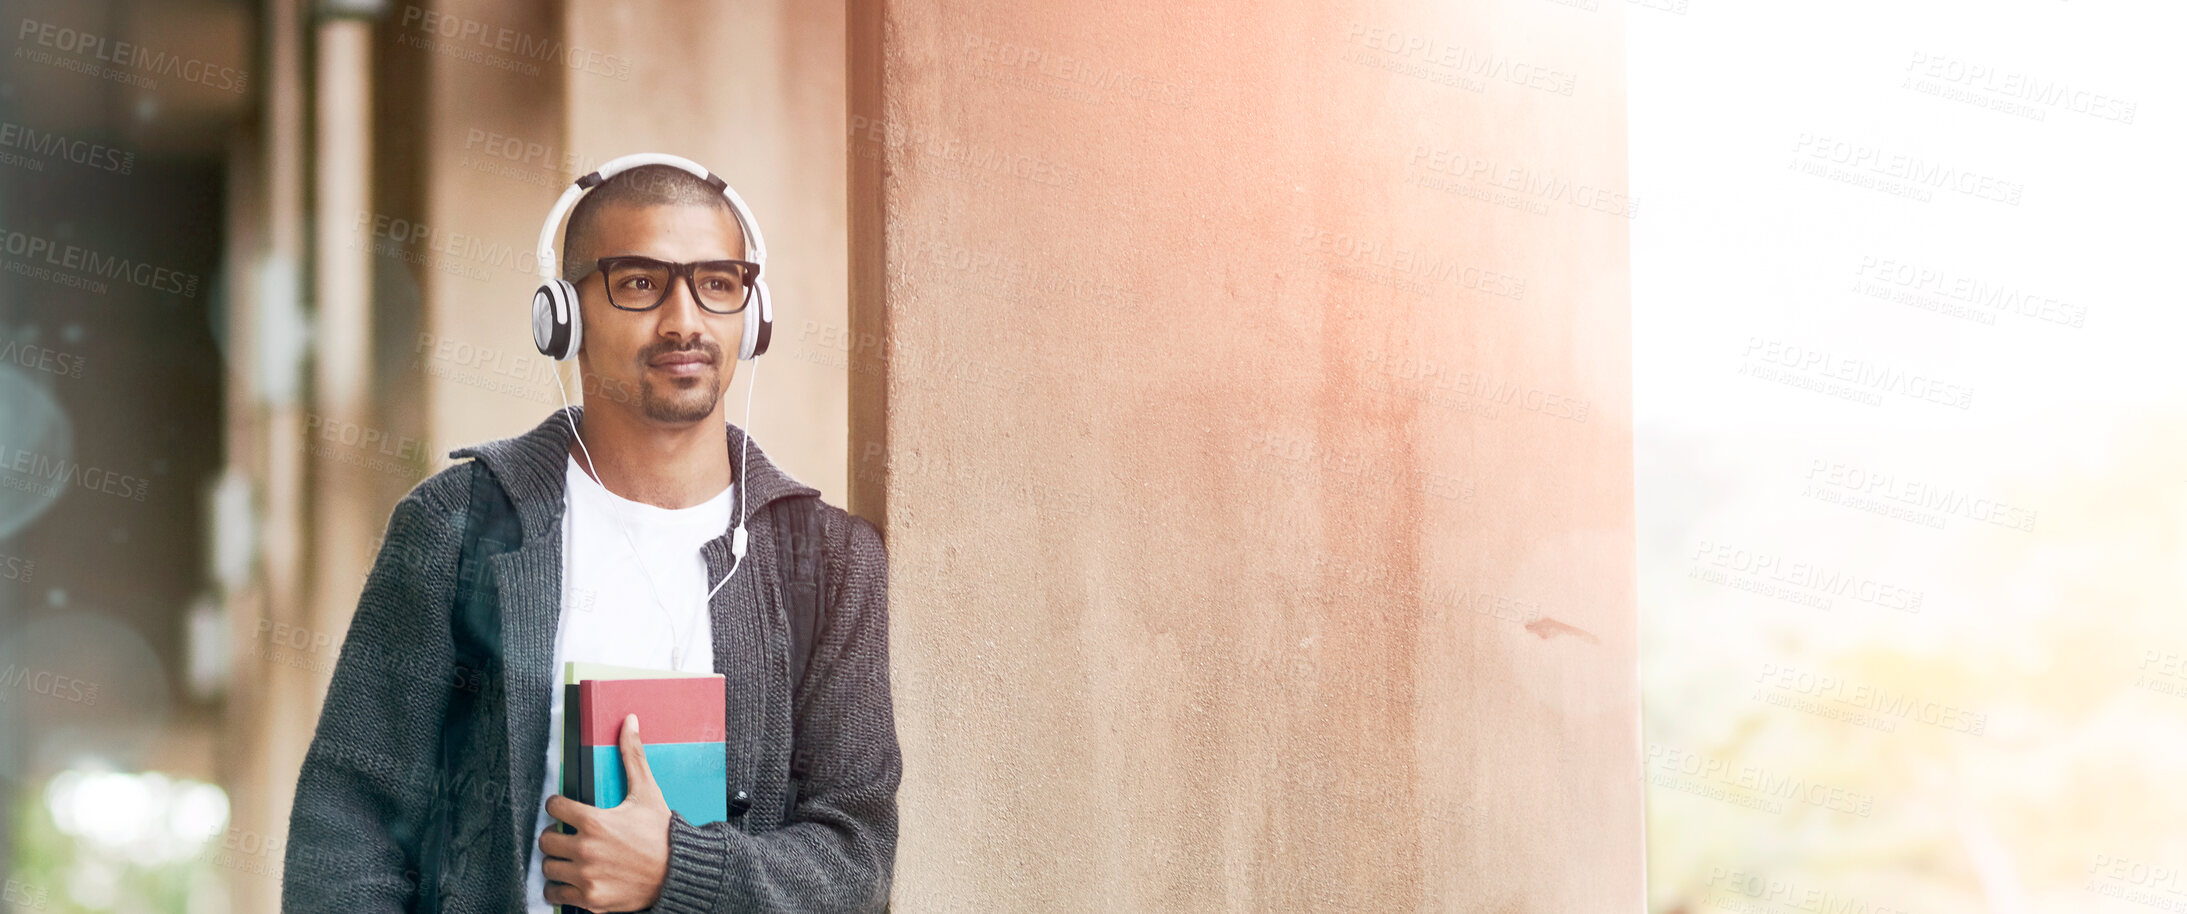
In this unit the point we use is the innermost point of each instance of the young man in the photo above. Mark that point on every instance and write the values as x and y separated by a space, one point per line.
424 783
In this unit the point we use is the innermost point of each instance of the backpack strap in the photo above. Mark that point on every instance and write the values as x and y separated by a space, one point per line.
800 538
490 527
801 533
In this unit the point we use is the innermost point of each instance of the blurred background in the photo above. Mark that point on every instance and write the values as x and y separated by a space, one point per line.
1910 487
267 265
1525 455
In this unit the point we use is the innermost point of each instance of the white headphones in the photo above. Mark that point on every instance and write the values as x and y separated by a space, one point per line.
557 328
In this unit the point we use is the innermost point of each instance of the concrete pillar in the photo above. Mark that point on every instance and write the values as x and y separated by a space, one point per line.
470 240
1250 429
348 509
272 707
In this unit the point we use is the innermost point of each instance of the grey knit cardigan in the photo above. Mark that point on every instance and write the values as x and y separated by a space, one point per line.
371 783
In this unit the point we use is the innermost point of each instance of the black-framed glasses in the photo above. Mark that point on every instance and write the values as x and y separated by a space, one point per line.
642 283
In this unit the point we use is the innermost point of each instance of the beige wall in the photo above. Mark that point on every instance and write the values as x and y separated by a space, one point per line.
1204 598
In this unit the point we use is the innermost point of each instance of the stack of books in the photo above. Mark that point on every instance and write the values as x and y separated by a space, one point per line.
680 721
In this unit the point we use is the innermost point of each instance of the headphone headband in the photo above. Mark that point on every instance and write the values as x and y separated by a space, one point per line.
550 266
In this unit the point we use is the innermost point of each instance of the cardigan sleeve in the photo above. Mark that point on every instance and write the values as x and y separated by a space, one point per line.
370 775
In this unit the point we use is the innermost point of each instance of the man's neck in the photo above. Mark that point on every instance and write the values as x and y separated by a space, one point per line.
664 466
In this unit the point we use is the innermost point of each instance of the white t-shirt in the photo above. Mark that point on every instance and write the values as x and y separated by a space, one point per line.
609 611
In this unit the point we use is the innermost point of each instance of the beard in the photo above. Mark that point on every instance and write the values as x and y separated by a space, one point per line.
682 399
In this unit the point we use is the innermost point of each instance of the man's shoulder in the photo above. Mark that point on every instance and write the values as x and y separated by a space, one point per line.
426 528
447 491
847 536
853 556
853 538
434 510
851 524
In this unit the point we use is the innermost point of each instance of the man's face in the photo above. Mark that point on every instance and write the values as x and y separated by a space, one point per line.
677 357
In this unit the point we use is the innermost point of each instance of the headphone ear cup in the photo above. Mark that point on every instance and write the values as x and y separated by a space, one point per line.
759 324
556 327
577 324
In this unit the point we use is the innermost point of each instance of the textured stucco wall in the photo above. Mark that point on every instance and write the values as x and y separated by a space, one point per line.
1248 418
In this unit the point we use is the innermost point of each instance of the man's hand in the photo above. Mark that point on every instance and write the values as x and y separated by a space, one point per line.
618 858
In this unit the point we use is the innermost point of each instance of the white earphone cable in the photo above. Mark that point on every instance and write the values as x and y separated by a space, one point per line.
737 540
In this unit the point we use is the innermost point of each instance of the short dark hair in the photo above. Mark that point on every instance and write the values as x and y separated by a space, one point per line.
645 185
